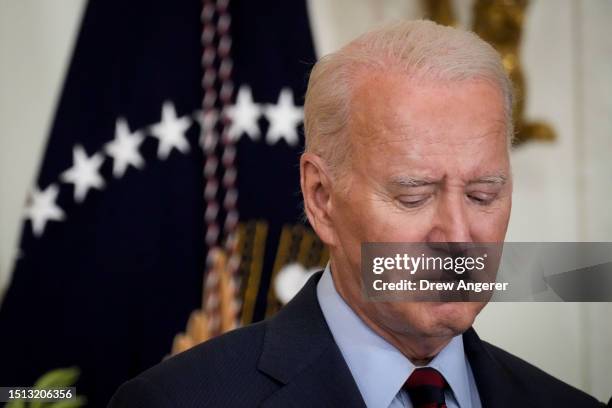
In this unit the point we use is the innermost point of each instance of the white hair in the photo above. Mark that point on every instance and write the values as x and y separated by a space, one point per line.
422 50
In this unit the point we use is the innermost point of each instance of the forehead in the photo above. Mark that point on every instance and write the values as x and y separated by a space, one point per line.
392 102
406 121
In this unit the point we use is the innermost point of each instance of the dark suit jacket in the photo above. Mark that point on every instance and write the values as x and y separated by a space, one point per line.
291 360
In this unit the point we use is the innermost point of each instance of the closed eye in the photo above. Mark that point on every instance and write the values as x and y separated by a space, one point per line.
413 201
482 198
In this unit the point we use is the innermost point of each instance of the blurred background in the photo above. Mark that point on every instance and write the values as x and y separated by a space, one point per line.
137 221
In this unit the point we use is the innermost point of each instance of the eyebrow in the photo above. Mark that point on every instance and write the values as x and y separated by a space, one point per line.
404 181
499 180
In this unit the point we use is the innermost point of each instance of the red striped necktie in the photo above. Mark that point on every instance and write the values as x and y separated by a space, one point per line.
426 386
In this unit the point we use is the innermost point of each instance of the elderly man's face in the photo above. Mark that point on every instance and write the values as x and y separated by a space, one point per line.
429 163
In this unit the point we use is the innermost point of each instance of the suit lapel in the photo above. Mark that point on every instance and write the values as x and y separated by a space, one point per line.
325 383
496 384
300 353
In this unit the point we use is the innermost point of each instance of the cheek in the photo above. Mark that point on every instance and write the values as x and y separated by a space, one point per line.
353 212
396 225
347 221
380 221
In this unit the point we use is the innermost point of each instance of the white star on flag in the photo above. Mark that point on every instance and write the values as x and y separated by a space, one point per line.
244 115
284 117
124 148
41 208
171 132
84 173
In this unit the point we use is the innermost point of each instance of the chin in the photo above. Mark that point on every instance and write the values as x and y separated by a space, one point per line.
451 317
432 319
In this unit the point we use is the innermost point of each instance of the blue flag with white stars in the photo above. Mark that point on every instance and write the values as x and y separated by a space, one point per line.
113 247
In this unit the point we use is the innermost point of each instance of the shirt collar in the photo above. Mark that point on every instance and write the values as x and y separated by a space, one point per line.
379 369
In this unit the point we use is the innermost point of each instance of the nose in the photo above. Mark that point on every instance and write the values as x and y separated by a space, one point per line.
451 222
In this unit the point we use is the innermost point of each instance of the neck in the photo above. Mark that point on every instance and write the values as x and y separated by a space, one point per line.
419 348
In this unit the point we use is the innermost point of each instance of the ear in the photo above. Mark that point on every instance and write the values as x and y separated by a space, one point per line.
316 190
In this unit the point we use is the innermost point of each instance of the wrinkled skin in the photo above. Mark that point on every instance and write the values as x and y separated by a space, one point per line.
428 162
